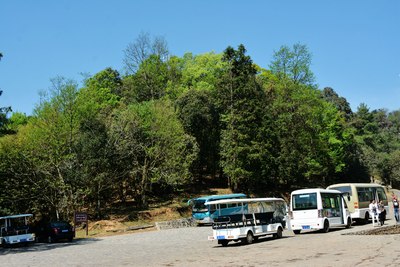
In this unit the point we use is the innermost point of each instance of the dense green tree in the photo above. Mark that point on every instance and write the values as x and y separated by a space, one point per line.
100 95
240 100
150 142
145 135
376 133
56 125
200 119
149 82
39 164
3 114
3 118
310 137
15 192
293 63
394 169
95 176
339 102
201 72
16 120
94 151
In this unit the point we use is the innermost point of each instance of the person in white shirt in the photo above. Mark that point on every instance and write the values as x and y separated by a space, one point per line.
373 211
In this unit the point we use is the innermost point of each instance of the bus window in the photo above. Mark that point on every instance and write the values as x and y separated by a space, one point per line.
280 209
381 194
330 205
213 208
344 189
198 206
365 194
305 201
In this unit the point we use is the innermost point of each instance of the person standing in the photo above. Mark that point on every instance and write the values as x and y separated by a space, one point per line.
372 211
396 208
381 213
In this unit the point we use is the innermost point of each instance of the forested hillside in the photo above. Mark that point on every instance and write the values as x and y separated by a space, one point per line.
169 124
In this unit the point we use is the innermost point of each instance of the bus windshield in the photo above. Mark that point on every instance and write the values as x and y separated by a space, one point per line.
198 206
306 201
203 213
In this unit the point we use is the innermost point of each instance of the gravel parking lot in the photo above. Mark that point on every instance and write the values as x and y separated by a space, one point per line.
190 247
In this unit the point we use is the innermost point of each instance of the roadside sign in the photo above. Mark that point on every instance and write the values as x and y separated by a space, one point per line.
82 217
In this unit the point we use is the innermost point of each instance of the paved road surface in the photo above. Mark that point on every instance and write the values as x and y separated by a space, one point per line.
190 247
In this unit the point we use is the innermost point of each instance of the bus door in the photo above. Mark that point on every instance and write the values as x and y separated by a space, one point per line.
332 208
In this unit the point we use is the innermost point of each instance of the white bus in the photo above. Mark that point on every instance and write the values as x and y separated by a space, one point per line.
318 209
358 197
258 217
15 230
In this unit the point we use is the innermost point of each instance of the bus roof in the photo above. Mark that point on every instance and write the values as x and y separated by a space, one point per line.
216 197
356 185
314 190
243 200
15 216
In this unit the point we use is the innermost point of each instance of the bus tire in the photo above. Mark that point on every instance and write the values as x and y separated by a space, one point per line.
326 227
249 238
366 218
348 225
224 242
278 233
296 232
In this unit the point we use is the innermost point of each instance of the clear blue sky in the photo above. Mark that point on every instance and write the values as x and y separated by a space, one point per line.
355 44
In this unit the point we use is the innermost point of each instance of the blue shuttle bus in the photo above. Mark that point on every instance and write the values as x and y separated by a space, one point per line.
204 214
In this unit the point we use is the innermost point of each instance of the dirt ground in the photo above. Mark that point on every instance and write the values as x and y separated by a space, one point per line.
190 247
388 230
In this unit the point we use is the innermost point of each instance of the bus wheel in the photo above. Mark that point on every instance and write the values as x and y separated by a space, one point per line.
278 233
296 232
224 243
348 225
326 226
366 218
249 238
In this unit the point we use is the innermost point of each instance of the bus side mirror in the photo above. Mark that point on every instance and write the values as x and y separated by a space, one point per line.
348 197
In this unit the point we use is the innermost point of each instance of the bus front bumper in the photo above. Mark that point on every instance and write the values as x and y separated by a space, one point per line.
206 220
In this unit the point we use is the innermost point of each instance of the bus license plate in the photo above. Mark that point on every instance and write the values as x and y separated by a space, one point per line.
220 237
305 227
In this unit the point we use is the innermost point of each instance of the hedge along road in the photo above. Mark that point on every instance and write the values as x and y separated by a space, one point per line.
190 247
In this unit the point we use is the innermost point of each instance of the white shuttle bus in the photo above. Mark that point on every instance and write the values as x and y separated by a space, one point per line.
318 209
358 197
257 217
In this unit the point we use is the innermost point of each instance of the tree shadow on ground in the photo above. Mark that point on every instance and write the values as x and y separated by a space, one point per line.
37 247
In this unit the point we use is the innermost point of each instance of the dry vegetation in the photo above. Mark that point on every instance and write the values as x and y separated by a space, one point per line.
126 219
384 230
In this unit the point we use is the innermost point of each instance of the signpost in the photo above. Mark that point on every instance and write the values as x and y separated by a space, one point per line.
82 217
